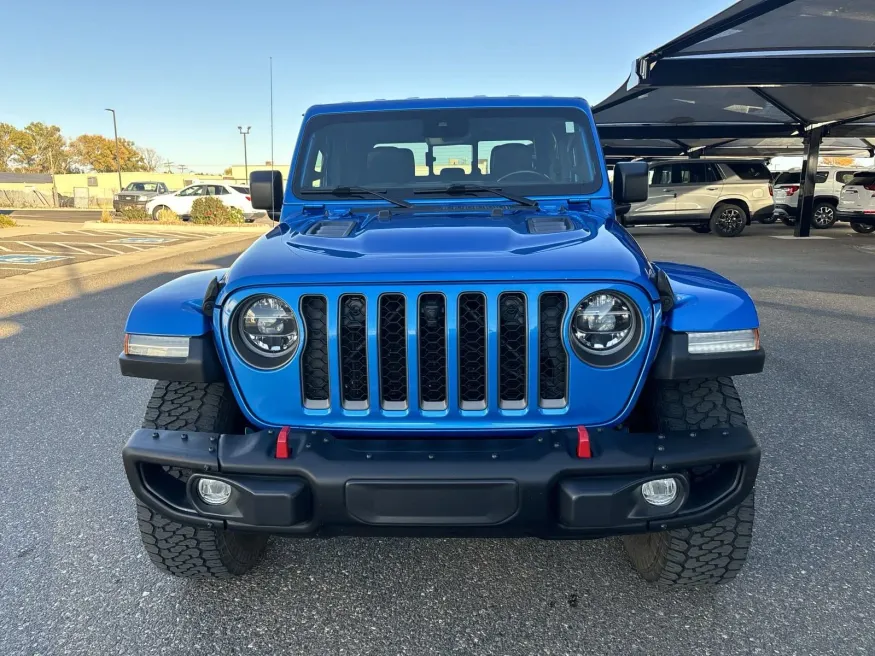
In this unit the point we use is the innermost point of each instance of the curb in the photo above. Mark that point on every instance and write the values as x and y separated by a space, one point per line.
64 274
169 227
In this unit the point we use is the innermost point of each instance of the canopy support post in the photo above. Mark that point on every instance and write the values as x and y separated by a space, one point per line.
806 191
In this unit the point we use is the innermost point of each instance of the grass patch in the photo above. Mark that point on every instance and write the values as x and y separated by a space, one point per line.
105 216
6 221
168 216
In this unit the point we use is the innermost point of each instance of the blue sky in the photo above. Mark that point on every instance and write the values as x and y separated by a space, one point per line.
182 76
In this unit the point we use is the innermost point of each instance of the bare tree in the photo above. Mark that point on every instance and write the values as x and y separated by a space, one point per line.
151 158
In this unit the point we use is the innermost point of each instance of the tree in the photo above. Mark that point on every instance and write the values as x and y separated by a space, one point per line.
227 171
6 133
40 148
97 153
151 159
837 161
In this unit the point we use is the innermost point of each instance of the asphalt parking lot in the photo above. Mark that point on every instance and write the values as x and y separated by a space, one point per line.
76 581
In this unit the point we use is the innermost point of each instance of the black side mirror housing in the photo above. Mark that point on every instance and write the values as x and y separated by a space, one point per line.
630 182
266 191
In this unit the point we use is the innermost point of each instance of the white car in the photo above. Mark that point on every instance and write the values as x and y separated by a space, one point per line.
828 183
181 201
857 202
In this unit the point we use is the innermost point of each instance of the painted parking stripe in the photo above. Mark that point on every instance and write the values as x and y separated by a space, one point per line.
89 233
72 248
111 250
31 258
36 248
3 248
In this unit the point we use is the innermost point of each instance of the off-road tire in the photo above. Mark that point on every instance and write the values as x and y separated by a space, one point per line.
862 228
157 211
180 549
828 215
712 553
728 220
703 229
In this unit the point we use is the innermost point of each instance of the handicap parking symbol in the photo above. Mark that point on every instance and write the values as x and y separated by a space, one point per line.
32 259
141 240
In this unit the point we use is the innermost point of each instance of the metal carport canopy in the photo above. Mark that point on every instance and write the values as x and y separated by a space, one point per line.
760 70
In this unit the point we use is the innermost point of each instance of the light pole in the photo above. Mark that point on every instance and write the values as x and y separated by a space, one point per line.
118 159
245 156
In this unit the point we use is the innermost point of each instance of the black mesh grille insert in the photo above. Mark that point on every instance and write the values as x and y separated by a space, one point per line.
353 351
432 334
314 360
393 351
472 350
552 358
512 341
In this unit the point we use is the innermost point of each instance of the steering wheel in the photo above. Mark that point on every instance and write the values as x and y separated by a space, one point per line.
525 172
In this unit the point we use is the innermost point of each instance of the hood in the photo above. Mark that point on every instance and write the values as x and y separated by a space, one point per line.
411 247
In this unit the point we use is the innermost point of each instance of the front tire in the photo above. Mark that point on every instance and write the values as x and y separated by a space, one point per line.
728 220
862 228
180 549
824 215
158 210
712 553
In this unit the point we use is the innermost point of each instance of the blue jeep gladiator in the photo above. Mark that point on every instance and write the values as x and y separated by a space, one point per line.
447 333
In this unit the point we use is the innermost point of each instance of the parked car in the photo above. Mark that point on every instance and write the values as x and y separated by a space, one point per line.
828 183
137 194
857 202
406 354
181 201
720 196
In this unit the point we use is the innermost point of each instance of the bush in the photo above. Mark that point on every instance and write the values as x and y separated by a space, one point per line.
105 216
209 210
167 215
135 214
6 221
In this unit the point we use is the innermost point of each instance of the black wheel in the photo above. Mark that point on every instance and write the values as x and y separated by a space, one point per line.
158 210
180 549
728 220
712 553
703 229
824 215
768 219
788 220
862 228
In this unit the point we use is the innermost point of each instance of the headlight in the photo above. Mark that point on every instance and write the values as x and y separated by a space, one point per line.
605 328
142 197
267 331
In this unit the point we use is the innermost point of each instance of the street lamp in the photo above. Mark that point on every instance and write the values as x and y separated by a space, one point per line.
245 156
118 159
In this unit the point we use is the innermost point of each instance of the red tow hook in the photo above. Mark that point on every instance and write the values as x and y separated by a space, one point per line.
282 443
584 450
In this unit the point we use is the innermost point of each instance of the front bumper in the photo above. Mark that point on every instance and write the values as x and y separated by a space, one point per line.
477 486
856 217
119 205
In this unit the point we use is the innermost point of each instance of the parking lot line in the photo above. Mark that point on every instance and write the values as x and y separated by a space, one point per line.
36 248
3 248
89 233
72 248
106 248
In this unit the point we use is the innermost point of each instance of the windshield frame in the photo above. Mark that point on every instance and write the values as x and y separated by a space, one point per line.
589 146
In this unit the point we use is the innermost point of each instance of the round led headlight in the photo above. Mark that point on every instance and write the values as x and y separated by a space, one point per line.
267 330
605 328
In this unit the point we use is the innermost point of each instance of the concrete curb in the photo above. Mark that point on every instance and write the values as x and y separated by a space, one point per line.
257 228
64 274
34 227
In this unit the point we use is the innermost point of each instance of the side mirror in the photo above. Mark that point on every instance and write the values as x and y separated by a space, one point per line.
630 182
266 191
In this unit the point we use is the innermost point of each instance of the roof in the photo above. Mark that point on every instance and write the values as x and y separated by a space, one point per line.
474 102
27 178
762 69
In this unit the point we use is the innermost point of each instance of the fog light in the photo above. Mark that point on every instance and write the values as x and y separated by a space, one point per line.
213 492
660 492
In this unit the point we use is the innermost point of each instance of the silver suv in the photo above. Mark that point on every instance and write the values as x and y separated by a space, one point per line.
707 195
828 183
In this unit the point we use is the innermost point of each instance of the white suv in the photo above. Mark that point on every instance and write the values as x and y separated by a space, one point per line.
857 202
827 189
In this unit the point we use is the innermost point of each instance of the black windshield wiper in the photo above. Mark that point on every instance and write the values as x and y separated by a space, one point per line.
467 188
356 191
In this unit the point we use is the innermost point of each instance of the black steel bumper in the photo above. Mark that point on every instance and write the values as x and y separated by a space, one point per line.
493 487
856 217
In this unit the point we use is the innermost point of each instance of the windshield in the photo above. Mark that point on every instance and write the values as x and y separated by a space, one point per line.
142 186
524 151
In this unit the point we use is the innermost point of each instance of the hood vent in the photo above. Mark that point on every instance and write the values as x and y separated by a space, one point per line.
332 229
547 225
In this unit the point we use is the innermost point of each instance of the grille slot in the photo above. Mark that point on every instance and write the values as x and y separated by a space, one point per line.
353 351
512 351
392 341
472 351
314 359
432 340
552 357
